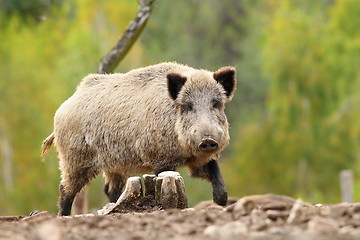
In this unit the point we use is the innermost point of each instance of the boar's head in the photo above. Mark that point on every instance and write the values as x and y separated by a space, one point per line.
200 99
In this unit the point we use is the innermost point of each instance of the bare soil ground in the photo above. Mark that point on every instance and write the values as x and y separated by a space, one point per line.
257 217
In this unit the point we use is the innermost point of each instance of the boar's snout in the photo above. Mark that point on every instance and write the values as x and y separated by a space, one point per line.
208 145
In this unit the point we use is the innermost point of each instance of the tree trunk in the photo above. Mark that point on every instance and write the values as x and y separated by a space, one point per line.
7 162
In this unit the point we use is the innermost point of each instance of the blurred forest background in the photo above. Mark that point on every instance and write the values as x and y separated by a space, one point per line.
294 120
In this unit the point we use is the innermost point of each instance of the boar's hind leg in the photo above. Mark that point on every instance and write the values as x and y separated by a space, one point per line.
211 172
65 201
70 185
114 183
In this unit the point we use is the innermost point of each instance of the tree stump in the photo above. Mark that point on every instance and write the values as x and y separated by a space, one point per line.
167 188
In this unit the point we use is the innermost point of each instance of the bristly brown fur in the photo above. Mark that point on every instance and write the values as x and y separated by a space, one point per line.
122 124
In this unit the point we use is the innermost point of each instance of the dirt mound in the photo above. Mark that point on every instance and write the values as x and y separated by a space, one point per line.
144 204
254 217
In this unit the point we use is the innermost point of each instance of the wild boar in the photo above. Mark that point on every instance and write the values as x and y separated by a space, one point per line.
155 118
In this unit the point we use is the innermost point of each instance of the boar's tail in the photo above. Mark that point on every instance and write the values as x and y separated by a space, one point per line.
46 145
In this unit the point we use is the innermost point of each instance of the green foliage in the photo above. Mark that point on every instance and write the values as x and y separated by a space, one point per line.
40 66
293 119
309 132
29 11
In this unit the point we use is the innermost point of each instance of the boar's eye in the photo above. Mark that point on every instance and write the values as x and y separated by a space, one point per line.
216 104
187 107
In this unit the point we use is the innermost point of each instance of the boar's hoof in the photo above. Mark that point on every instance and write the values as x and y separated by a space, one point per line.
221 200
220 196
208 145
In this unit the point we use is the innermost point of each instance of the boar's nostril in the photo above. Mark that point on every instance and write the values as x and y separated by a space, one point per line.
208 145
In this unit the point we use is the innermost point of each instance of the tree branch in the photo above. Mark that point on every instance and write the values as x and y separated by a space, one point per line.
112 59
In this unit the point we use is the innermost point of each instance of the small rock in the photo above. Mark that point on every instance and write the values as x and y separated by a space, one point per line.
229 231
276 230
84 215
355 222
349 231
276 206
295 215
258 220
48 231
107 209
356 208
242 207
323 225
206 204
275 214
334 211
40 216
215 206
188 210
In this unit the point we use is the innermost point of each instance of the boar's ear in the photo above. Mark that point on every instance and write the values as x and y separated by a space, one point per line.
175 82
226 77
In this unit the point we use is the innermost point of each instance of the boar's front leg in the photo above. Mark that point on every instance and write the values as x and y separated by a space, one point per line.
211 172
219 190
